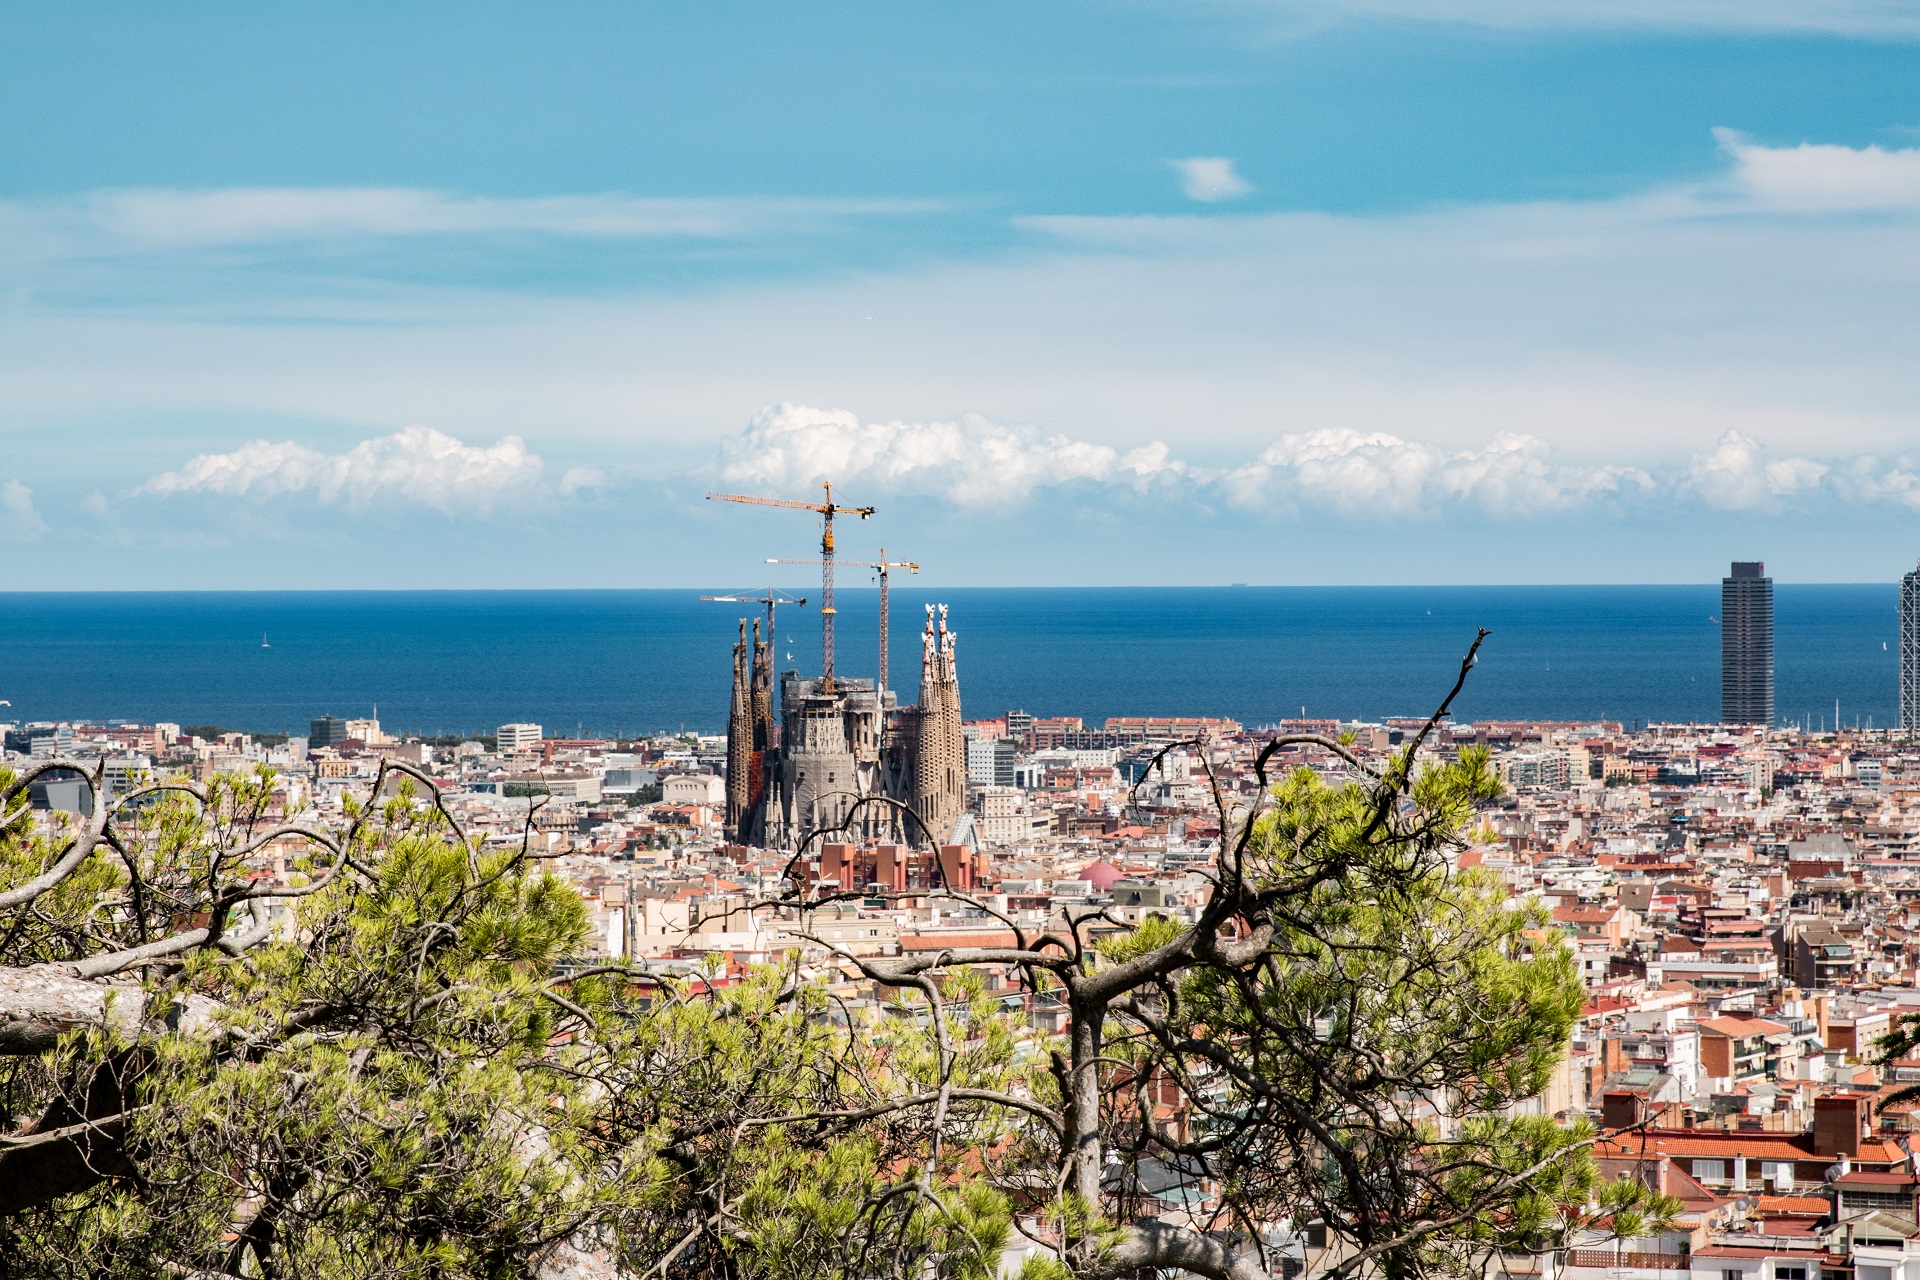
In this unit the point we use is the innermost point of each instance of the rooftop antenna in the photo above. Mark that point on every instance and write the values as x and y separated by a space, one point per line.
883 566
827 510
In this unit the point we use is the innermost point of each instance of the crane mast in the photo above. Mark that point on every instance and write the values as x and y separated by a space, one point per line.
827 510
884 566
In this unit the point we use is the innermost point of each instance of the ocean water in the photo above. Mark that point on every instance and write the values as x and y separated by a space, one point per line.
632 661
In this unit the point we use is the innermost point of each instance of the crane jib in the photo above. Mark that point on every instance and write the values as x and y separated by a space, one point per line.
827 510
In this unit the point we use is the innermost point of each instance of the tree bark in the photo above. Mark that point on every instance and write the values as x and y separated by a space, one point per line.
1083 1143
1169 1248
41 1003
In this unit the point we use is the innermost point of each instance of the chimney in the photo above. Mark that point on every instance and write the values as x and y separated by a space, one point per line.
1839 1120
1621 1110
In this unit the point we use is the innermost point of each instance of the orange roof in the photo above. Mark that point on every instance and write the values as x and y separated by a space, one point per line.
1683 1186
1714 1144
955 938
1741 1026
1860 1177
1773 1206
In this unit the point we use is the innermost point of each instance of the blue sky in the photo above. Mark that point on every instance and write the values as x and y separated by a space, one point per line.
1330 291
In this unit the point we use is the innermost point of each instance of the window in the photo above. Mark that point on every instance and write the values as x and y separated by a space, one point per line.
1789 1273
1731 1273
1713 1171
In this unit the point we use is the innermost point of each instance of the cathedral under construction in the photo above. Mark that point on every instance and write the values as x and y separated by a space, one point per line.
807 763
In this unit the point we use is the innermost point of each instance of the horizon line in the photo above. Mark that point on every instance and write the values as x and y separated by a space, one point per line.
909 587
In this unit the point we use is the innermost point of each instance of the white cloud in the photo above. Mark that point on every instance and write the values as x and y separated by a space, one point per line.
1867 479
417 465
1210 178
1365 476
158 219
19 520
971 460
1737 474
1823 177
577 479
1380 474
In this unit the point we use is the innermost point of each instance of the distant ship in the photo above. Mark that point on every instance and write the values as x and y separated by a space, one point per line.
263 641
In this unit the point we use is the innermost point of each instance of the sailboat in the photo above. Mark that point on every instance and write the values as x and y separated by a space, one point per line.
263 641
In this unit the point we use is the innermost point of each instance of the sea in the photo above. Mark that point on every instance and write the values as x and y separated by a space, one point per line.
631 662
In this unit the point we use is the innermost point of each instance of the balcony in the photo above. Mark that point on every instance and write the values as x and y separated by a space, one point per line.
1626 1260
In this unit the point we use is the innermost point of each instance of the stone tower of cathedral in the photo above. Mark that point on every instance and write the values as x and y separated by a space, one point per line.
763 753
940 754
740 726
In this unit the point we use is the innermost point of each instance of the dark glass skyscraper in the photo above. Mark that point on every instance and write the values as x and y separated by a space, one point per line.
1910 652
1746 645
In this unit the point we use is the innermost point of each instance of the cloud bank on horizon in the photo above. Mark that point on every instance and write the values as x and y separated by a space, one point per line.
1371 475
416 465
972 462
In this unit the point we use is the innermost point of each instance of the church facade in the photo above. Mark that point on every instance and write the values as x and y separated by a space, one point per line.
842 756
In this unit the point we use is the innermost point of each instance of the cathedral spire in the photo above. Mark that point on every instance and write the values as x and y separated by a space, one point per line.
740 737
940 761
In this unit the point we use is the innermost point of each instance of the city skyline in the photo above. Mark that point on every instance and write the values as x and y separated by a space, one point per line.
1086 294
474 479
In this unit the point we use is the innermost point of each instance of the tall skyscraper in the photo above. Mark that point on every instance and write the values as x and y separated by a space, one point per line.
1746 645
1910 652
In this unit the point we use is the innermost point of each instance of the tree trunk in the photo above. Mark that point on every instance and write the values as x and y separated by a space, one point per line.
1083 1149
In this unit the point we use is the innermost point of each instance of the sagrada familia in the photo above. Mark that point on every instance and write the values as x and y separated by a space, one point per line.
807 764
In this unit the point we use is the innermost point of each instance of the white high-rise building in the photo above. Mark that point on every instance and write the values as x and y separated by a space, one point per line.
517 739
1910 652
990 762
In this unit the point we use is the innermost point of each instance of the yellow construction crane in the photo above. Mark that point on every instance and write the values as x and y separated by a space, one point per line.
884 566
827 511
